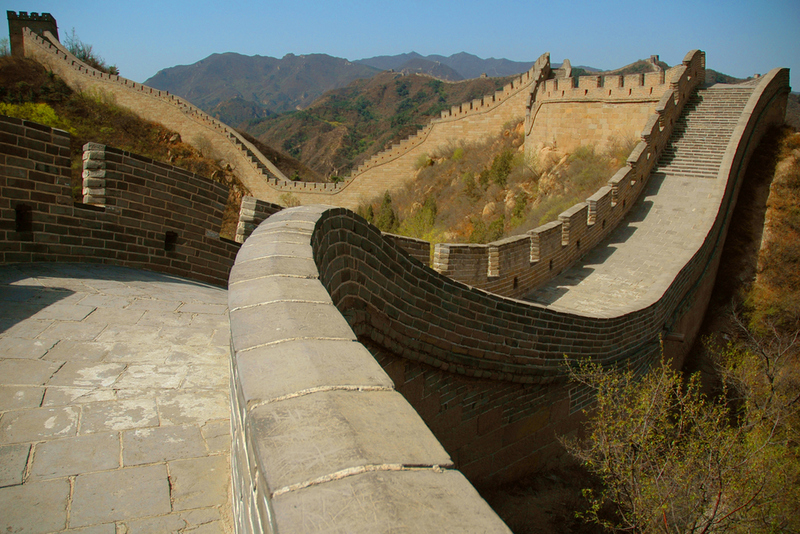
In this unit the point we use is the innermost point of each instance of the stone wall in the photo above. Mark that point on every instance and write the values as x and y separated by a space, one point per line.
593 110
320 435
138 212
195 127
35 22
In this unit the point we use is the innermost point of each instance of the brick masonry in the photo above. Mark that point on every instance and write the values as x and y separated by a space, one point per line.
138 212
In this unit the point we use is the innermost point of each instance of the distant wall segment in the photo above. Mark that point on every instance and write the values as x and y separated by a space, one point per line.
194 125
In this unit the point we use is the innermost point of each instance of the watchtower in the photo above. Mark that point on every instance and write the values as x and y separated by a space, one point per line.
36 22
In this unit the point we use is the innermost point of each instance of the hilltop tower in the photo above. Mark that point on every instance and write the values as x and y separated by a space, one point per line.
36 22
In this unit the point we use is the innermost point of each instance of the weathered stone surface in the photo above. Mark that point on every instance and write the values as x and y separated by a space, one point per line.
86 351
178 407
27 372
150 445
199 482
72 456
16 397
276 288
152 376
80 374
33 349
288 321
122 494
118 415
21 426
34 508
413 501
337 430
304 364
13 459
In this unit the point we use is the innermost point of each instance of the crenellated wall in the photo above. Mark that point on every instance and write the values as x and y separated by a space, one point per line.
593 110
484 372
194 125
136 212
515 265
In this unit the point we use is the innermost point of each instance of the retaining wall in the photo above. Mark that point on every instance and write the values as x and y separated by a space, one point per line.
138 212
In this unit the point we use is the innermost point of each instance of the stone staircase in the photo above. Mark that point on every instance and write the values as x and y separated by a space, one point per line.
702 133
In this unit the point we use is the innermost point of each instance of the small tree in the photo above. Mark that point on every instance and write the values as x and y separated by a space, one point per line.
674 461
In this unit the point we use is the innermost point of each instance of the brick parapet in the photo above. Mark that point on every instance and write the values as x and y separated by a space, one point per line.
136 212
303 387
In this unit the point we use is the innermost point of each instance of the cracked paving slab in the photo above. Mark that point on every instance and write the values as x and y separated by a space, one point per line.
114 412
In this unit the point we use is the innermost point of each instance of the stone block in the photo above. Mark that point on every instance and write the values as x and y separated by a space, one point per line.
22 426
336 430
285 321
388 501
199 482
34 508
276 288
13 460
120 495
306 364
72 456
160 444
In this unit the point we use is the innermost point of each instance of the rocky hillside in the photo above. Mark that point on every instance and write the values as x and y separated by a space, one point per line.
224 85
348 125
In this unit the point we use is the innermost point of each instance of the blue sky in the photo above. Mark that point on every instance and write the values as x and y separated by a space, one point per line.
740 37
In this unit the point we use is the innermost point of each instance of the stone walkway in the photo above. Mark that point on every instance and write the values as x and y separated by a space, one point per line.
114 413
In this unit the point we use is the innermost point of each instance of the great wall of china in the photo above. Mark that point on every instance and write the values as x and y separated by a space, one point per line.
363 382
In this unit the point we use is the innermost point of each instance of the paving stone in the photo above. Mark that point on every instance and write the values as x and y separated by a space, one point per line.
108 528
142 353
106 301
81 374
152 376
207 377
199 307
34 508
129 334
74 331
28 329
217 435
303 438
20 426
118 415
64 396
163 524
115 316
16 397
211 322
159 319
76 455
123 494
64 312
13 460
150 445
408 501
199 482
86 351
155 305
33 349
187 407
186 335
201 355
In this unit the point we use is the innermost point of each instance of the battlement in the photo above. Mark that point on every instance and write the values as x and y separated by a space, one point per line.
37 23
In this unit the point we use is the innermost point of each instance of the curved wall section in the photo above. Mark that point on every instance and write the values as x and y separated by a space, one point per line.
320 434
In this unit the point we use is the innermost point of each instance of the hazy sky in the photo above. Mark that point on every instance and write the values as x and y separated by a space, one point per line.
740 37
